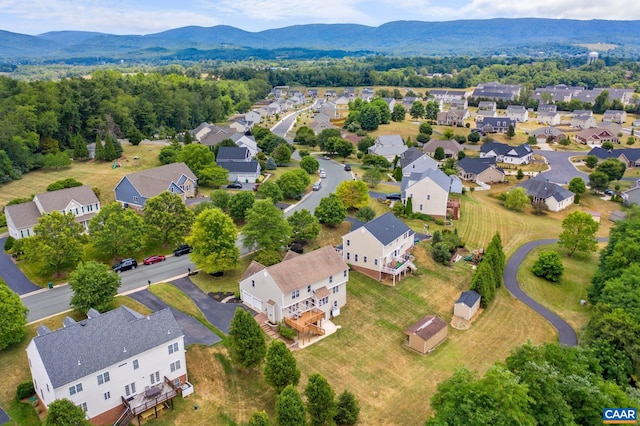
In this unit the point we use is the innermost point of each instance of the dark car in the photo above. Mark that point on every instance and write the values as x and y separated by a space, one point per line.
235 185
183 249
154 259
394 196
347 168
609 192
125 265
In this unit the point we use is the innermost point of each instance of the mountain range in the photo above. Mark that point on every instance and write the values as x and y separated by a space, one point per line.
525 36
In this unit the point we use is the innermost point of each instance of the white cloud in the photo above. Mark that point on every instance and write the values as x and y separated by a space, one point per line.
565 9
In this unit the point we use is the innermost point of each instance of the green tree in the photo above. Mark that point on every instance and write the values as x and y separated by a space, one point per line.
282 154
197 157
280 368
591 161
548 266
187 139
417 110
612 167
398 112
343 148
353 193
447 134
290 408
270 190
425 128
293 183
56 160
577 185
598 181
519 175
13 317
259 418
474 137
266 227
310 164
516 199
321 404
383 109
213 238
167 218
169 154
246 340
57 242
80 150
365 143
331 210
347 409
304 226
214 176
439 153
431 110
220 198
94 286
365 214
511 131
494 255
601 103
99 150
578 233
484 282
63 412
240 204
408 208
116 231
372 176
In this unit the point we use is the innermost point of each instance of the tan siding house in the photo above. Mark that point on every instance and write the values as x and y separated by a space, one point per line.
426 334
429 192
467 305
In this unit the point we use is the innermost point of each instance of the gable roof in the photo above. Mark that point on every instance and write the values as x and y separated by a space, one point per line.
632 154
543 189
386 228
389 140
91 345
547 131
436 175
450 146
151 182
427 327
505 150
409 156
477 165
469 298
300 271
230 153
58 200
23 215
240 166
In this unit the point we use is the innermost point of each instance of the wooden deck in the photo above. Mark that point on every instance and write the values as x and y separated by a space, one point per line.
307 323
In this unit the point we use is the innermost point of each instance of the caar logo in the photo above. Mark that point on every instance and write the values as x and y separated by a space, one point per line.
619 416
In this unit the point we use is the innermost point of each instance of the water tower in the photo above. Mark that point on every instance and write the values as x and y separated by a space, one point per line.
593 57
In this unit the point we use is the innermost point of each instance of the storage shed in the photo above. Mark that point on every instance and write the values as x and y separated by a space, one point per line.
426 334
467 304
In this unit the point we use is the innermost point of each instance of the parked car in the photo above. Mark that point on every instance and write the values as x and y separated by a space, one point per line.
317 185
326 157
394 196
347 167
125 265
154 259
183 249
235 185
323 174
609 192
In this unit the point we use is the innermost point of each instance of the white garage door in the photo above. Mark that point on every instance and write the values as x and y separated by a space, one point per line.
252 301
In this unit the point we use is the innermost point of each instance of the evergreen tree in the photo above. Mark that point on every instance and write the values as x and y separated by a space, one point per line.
347 409
483 281
80 150
246 340
280 369
99 151
259 418
109 149
290 408
495 256
321 404
408 209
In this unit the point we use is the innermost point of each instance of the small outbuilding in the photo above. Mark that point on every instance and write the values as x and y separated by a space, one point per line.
467 304
426 334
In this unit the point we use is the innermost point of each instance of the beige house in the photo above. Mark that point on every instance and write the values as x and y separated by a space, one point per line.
381 246
480 170
426 334
596 136
451 147
302 290
467 305
428 191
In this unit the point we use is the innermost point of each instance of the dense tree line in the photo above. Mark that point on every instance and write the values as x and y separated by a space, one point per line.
46 117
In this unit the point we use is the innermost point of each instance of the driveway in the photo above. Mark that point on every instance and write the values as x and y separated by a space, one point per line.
562 169
218 314
12 275
194 331
566 335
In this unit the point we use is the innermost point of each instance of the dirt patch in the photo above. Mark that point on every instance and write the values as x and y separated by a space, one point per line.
224 297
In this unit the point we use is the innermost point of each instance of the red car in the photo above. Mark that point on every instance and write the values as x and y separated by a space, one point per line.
153 259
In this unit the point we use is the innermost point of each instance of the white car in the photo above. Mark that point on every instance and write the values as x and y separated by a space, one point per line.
322 174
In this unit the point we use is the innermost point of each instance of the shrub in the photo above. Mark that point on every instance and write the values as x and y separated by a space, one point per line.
8 244
286 332
439 222
548 266
268 257
25 390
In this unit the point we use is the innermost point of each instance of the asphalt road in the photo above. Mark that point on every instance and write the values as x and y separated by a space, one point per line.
47 302
562 170
12 275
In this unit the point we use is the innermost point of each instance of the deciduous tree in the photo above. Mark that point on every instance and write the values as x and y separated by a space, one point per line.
304 226
167 218
598 181
331 210
293 183
612 167
117 232
63 412
94 286
280 368
577 185
578 233
13 317
57 241
240 204
266 226
310 164
548 266
246 340
516 199
213 238
398 112
353 193
290 408
197 157
282 154
591 161
417 110
365 214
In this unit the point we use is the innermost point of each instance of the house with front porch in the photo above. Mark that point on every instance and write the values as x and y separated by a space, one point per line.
453 117
80 201
114 365
451 147
496 124
615 116
521 154
548 134
551 118
582 121
134 189
629 156
303 290
596 136
380 248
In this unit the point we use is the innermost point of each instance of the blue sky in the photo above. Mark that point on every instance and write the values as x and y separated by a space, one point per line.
151 16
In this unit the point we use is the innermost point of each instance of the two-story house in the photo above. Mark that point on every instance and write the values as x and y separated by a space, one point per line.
380 248
517 112
238 162
388 146
496 124
453 117
521 154
135 189
302 290
615 116
118 363
81 201
428 191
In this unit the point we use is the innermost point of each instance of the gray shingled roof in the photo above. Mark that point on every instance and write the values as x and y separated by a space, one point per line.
476 165
58 200
152 182
240 166
503 149
23 215
94 344
386 228
544 190
231 153
469 298
632 154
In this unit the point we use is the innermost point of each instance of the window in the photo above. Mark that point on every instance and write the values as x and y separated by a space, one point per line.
344 273
364 259
103 378
253 283
75 389
330 279
173 348
428 197
175 366
336 289
155 377
130 389
348 255
83 406
308 289
420 207
323 301
135 364
48 387
107 395
348 242
375 262
295 293
355 257
135 199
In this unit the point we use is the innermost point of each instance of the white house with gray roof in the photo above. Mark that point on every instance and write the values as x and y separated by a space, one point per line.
110 364
554 196
521 154
80 201
428 191
380 247
388 146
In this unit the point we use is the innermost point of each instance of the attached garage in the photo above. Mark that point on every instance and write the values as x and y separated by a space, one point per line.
251 301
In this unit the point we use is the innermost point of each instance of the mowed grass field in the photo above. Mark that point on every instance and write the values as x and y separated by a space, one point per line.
97 174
